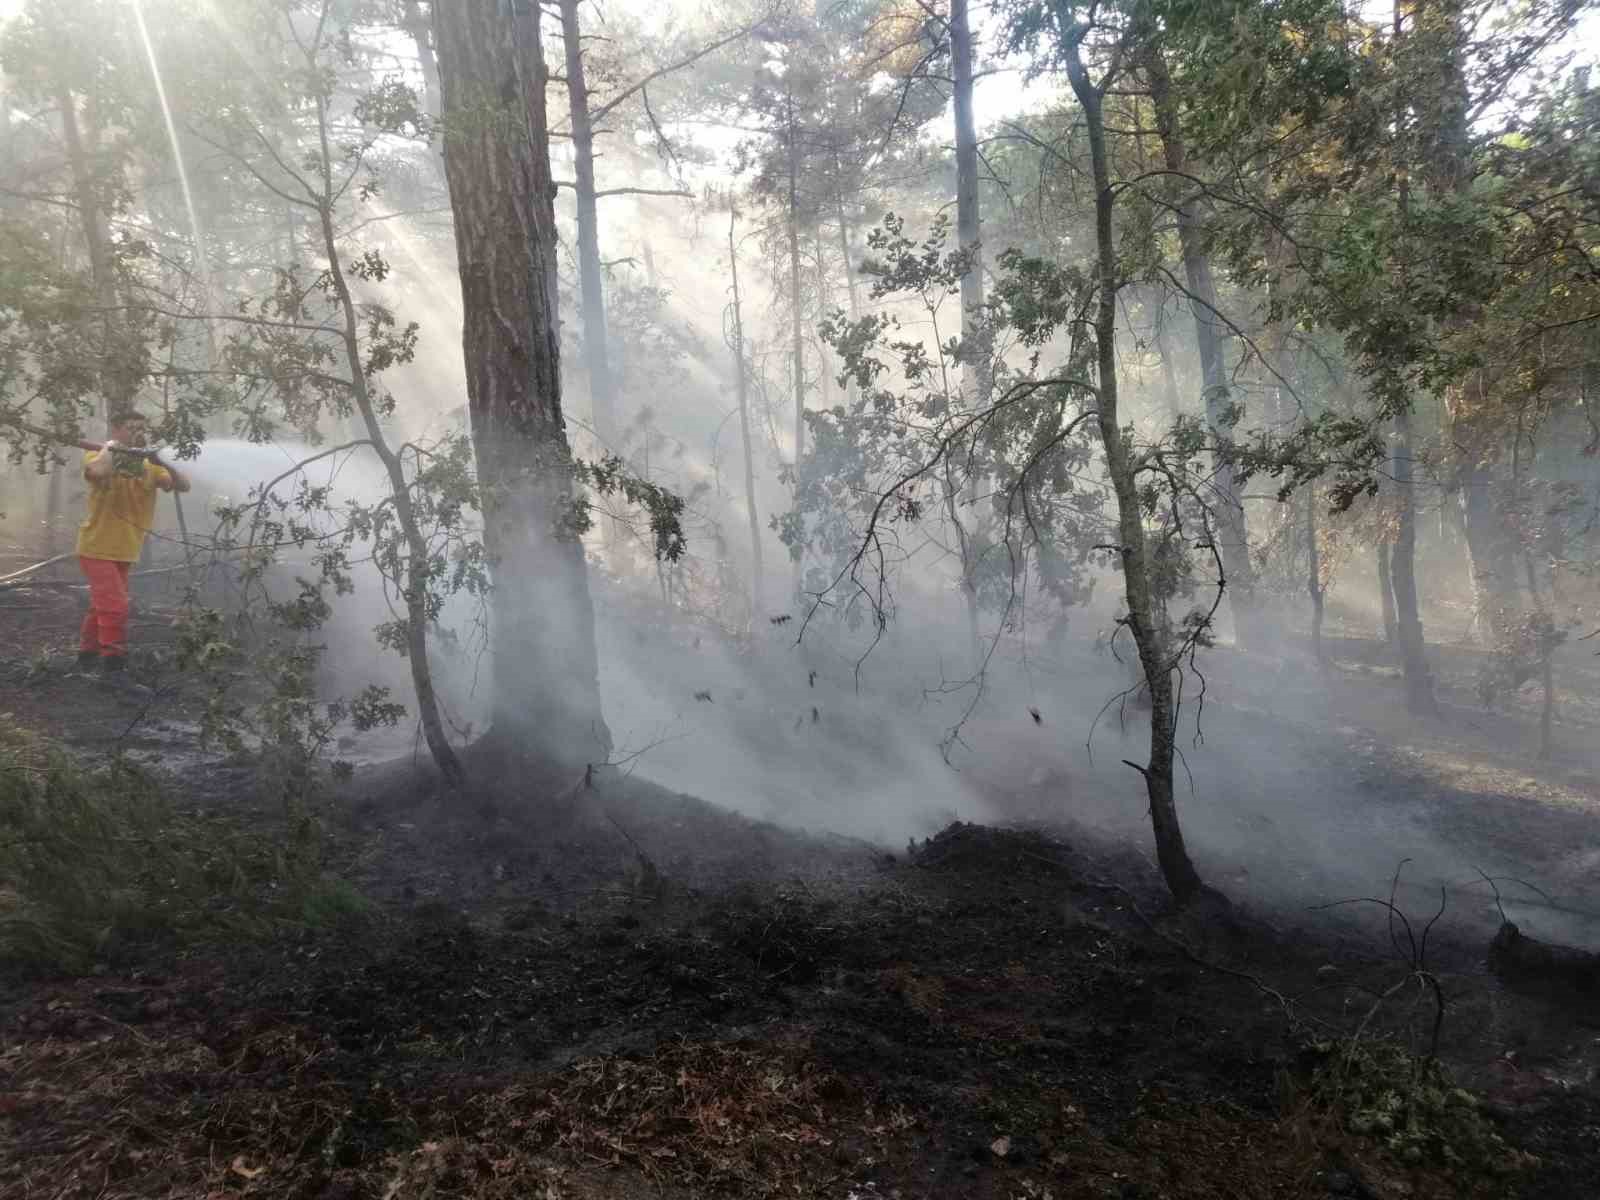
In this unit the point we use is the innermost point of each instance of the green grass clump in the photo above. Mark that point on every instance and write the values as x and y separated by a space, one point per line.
1408 1104
97 864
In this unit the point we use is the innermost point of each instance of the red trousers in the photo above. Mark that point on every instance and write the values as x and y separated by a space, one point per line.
106 627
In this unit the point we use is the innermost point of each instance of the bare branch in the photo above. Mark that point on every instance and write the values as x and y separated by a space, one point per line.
639 86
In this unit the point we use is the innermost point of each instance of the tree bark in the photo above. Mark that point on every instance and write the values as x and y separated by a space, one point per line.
968 222
975 371
1314 577
1391 624
757 570
596 356
844 245
1547 711
1403 576
1443 142
1148 629
1208 331
1403 560
546 699
1169 375
421 31
796 328
824 293
1491 551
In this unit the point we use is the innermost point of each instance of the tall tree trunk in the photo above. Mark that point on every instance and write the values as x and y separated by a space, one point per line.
1443 137
546 698
1491 550
421 31
742 386
1547 710
968 223
1403 576
119 373
1169 374
844 251
1149 630
1403 559
1208 332
596 358
1391 624
975 371
52 512
1314 577
824 290
796 325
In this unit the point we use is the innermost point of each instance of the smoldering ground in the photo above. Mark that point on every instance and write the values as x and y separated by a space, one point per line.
1297 787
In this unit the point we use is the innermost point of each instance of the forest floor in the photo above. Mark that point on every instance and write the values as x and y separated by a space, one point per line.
636 993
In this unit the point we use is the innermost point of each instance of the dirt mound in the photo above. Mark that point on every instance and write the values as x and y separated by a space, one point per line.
965 846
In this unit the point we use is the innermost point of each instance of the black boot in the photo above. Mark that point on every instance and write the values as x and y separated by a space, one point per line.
115 669
88 658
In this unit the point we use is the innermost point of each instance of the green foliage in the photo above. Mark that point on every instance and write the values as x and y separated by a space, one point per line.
1409 1106
916 443
97 863
610 476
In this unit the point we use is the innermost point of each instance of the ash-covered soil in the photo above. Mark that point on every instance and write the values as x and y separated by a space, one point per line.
619 991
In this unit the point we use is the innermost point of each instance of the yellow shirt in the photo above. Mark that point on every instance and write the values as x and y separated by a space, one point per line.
121 509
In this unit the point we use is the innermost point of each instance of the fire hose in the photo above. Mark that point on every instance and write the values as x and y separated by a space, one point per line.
80 443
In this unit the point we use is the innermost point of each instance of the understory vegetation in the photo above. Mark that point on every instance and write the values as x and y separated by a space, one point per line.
101 865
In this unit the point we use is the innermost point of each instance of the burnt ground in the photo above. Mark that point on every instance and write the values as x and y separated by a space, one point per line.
620 991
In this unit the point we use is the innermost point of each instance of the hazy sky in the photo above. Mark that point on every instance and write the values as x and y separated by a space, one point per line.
999 95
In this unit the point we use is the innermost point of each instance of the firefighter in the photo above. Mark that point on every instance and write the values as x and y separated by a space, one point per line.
122 505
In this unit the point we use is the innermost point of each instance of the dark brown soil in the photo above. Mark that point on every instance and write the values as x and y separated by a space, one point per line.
617 991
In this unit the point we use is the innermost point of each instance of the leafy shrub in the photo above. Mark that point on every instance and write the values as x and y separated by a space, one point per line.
96 863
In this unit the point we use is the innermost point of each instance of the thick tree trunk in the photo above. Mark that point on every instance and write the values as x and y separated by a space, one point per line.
1234 540
1492 551
1144 620
546 699
1443 141
1403 576
742 385
596 357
